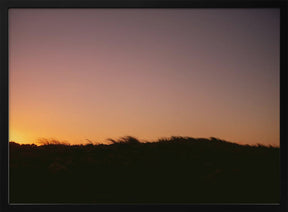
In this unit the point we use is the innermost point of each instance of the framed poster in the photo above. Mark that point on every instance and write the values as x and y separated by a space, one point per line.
159 105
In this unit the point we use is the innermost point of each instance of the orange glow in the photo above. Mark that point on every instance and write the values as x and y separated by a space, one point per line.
97 74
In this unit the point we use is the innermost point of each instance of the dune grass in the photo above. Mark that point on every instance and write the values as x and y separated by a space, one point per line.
169 170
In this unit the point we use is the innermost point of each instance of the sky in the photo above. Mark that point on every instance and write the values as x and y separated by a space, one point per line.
77 74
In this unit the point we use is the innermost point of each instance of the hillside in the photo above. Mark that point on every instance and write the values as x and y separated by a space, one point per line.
172 170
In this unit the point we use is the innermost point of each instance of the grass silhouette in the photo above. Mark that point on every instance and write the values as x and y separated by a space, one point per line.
169 170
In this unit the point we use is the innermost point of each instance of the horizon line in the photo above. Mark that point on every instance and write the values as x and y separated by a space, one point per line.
126 139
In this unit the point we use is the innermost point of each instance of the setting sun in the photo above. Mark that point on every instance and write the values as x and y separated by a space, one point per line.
97 74
144 106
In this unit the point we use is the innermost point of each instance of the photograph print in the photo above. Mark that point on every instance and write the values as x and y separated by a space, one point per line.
144 106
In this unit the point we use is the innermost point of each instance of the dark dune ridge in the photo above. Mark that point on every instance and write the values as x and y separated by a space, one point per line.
171 170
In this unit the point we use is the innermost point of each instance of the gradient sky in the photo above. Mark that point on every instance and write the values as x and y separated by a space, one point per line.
94 74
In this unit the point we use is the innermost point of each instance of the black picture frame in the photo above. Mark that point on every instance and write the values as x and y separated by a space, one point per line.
5 5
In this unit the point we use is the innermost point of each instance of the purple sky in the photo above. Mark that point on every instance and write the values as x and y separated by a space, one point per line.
79 74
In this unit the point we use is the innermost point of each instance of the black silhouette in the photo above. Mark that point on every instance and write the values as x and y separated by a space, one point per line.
170 170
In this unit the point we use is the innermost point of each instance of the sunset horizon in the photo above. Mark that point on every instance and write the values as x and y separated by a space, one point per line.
107 141
80 75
